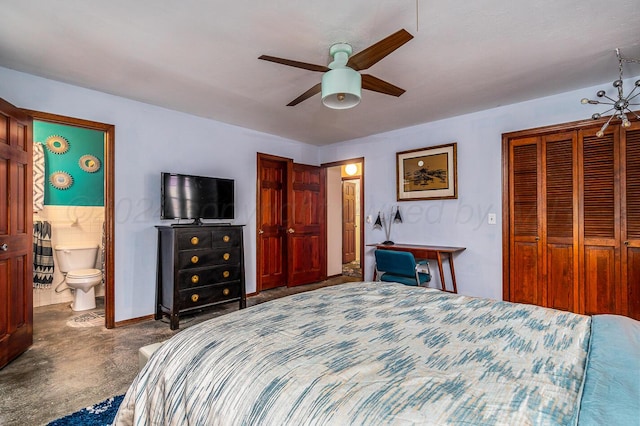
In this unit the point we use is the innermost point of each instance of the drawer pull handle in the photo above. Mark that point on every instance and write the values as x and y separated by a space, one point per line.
226 238
195 279
194 297
194 259
225 274
226 256
195 241
225 292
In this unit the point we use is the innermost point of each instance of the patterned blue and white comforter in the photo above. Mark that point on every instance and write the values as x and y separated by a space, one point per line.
368 354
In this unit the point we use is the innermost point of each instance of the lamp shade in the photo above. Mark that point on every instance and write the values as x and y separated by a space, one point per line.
378 222
397 218
341 88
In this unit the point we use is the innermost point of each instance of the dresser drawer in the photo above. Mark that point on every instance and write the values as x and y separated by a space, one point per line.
198 258
225 237
205 276
200 296
193 239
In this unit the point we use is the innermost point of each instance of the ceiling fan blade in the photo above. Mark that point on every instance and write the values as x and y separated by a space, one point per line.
306 95
372 83
297 64
372 54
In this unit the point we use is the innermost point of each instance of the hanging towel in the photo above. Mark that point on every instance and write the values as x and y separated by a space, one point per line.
42 255
38 177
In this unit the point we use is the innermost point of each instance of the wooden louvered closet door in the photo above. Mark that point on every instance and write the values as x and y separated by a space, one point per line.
544 239
560 234
630 223
600 232
524 244
572 218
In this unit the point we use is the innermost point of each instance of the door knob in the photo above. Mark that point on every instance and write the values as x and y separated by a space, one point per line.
4 247
260 232
291 231
626 243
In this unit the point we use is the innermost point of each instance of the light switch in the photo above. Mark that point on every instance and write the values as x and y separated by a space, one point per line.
491 218
369 219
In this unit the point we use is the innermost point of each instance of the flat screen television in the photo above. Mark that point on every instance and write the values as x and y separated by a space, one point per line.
196 197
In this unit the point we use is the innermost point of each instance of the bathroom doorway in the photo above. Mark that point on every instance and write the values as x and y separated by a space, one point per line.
82 215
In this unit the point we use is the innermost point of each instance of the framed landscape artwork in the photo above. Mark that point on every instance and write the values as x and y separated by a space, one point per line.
427 173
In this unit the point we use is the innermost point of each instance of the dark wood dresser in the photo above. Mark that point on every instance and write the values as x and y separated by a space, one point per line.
198 266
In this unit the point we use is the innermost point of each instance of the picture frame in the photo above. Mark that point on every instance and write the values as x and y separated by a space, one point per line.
427 173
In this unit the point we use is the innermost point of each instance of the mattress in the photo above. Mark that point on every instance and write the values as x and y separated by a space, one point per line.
368 353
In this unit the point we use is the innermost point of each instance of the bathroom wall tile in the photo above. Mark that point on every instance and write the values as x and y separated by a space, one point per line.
36 298
71 225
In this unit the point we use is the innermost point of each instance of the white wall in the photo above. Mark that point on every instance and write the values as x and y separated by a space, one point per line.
334 221
149 140
460 222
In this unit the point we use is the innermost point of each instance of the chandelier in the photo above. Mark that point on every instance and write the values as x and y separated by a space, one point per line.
620 106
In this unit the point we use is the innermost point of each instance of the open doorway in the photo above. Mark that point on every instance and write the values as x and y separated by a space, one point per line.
75 215
345 223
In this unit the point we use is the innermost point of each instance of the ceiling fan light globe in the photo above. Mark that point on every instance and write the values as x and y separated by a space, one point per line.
341 88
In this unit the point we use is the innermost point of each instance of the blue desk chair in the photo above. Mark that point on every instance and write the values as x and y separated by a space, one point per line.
401 267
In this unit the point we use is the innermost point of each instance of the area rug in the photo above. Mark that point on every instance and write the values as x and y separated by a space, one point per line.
99 414
90 319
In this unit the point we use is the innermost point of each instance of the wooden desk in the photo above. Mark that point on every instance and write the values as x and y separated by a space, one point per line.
429 252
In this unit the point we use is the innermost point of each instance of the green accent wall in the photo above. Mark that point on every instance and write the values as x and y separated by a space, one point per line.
87 188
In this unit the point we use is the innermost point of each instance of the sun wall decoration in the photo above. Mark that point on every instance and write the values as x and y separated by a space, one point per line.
57 144
60 180
89 163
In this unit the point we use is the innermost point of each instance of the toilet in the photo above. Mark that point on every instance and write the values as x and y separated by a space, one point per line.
77 263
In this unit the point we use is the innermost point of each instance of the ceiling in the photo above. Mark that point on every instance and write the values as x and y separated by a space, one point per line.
200 57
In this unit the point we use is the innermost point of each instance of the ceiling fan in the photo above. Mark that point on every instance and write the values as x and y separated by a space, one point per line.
341 82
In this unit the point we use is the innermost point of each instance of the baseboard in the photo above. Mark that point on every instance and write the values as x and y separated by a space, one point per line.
134 321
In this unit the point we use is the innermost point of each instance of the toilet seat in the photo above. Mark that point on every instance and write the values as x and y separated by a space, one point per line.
84 273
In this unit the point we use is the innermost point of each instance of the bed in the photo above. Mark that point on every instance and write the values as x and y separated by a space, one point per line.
385 353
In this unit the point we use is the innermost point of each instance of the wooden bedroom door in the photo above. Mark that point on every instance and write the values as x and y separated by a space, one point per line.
290 226
271 206
348 222
16 241
306 229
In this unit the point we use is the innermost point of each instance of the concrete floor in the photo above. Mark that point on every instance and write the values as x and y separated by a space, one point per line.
70 368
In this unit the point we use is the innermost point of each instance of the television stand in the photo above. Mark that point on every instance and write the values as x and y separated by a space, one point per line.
198 267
